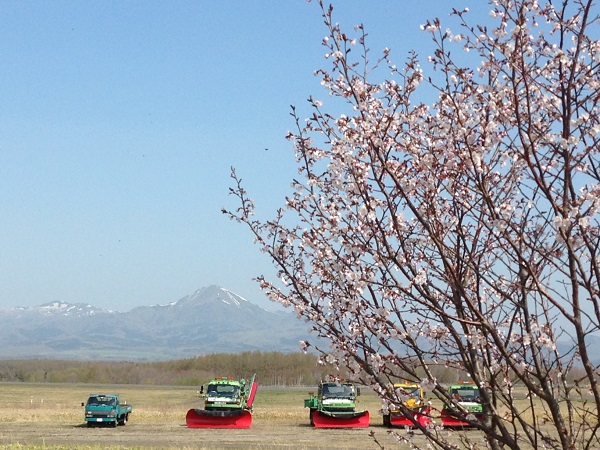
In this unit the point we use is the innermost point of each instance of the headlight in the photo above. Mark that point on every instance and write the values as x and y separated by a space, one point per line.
112 414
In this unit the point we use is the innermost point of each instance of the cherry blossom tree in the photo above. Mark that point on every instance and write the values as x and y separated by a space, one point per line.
463 233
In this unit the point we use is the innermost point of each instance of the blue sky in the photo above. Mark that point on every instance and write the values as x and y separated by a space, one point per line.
120 120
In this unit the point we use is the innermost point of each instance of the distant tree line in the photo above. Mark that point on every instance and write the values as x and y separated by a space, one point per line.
271 368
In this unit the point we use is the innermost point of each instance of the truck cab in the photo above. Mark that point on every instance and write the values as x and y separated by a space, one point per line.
225 394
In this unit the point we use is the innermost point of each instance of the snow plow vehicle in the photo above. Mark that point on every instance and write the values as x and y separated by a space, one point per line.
228 404
414 401
334 406
465 408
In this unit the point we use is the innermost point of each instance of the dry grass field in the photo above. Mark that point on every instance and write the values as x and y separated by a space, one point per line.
50 416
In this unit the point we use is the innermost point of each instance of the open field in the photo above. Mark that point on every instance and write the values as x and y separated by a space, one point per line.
50 416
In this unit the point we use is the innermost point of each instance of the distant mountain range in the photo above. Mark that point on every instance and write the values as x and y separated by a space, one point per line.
211 320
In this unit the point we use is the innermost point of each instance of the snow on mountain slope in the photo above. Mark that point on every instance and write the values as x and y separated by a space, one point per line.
210 320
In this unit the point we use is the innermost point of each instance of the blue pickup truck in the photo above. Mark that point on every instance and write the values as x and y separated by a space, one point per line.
106 409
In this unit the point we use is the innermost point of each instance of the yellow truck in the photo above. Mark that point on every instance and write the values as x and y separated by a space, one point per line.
419 410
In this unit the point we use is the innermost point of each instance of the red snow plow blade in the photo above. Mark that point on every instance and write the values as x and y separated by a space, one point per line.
322 419
451 420
402 421
201 418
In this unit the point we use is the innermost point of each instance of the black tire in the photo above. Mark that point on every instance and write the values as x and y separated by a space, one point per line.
90 424
387 421
311 416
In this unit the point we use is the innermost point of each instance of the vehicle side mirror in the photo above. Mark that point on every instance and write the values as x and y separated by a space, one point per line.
82 404
357 392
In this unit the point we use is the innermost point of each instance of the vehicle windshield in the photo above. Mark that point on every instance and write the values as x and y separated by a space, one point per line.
411 392
467 394
222 390
101 400
343 390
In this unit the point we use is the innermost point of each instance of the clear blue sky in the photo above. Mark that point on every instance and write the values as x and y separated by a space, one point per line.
120 120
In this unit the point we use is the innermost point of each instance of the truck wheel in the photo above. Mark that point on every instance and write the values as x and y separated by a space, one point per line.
125 418
115 423
90 424
312 420
387 422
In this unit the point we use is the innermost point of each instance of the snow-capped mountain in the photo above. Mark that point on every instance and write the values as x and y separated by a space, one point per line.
211 320
58 309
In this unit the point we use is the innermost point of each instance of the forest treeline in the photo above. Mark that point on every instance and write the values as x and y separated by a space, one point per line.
271 368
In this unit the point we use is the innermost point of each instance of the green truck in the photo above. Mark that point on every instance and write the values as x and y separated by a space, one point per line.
334 406
464 408
106 409
228 404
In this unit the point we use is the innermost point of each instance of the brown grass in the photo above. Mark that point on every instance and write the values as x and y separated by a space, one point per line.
50 416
